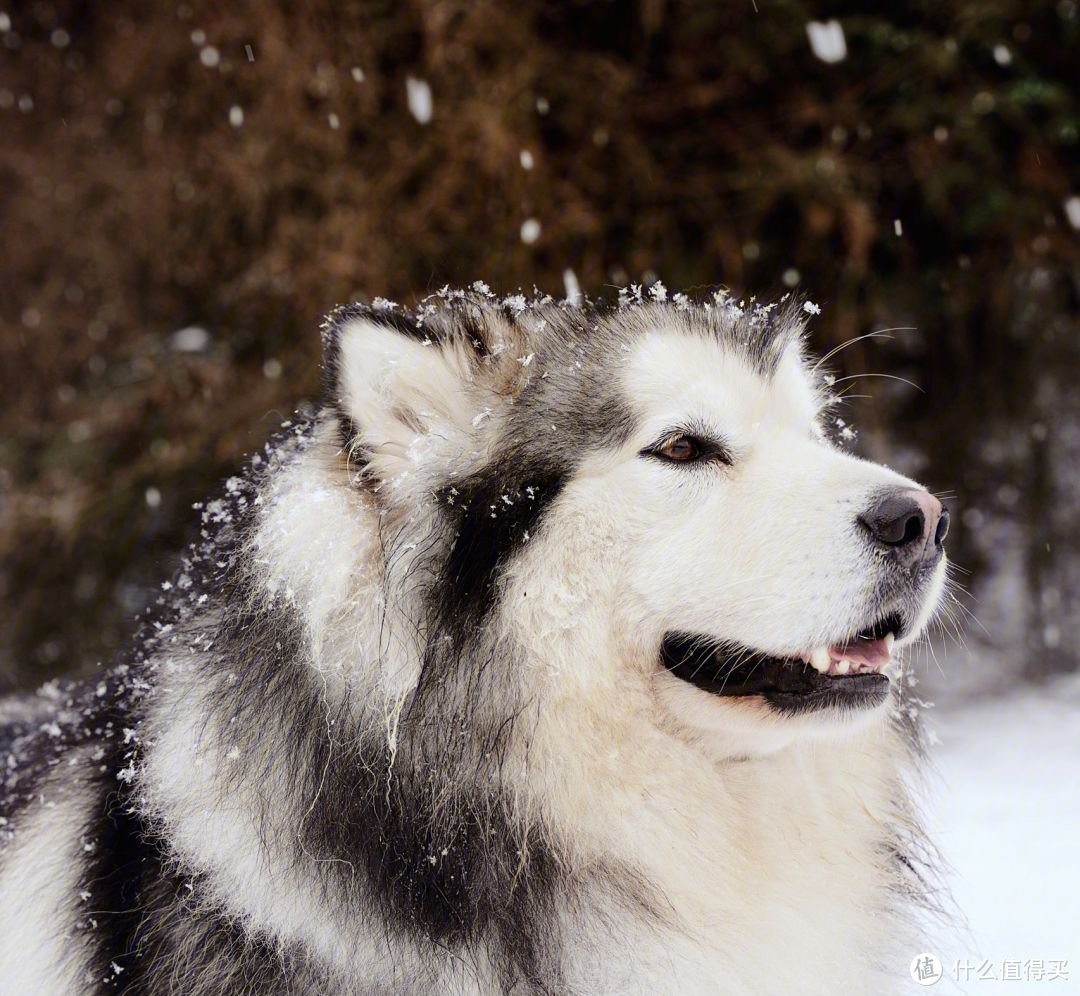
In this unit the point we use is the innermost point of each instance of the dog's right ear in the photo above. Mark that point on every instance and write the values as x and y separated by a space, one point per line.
394 391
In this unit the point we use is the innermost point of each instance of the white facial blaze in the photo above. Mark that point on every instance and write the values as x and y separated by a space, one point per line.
767 552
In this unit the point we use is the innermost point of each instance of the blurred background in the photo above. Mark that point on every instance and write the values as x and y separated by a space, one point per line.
185 188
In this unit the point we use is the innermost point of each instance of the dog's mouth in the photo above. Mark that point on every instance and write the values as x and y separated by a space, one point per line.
848 674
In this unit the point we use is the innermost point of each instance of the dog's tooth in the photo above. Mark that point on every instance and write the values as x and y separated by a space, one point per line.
843 667
820 659
890 639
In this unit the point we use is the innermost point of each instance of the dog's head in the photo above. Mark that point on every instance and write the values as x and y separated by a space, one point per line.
642 504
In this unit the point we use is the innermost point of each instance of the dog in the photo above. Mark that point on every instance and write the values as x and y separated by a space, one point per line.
555 651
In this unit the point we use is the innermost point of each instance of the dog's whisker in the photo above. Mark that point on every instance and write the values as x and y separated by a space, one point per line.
902 380
877 334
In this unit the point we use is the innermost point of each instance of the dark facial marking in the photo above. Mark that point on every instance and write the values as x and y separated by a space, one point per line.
492 514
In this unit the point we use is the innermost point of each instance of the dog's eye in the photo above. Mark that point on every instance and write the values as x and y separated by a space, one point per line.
682 447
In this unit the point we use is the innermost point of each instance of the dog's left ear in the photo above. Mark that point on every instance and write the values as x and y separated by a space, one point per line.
400 390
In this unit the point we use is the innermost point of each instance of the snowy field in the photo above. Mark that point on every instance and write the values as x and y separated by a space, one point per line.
1005 810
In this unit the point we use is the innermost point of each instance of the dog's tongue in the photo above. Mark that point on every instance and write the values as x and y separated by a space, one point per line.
873 654
857 656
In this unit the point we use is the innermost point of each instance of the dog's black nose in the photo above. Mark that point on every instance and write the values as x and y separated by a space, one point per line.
911 524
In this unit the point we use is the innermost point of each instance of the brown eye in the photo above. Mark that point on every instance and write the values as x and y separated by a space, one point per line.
683 447
680 449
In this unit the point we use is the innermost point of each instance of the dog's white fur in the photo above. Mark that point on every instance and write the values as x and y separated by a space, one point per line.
764 839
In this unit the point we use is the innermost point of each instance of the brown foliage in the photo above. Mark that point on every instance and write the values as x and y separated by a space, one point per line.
702 142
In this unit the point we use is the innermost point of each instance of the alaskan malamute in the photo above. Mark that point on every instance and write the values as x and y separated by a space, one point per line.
554 652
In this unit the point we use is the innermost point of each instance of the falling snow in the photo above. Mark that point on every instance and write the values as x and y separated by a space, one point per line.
1072 211
571 287
192 339
827 40
530 230
418 94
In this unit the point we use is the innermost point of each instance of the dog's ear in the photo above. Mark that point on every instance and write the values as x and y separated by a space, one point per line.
406 385
392 389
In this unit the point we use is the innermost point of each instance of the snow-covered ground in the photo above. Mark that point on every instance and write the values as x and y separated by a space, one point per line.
1005 811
